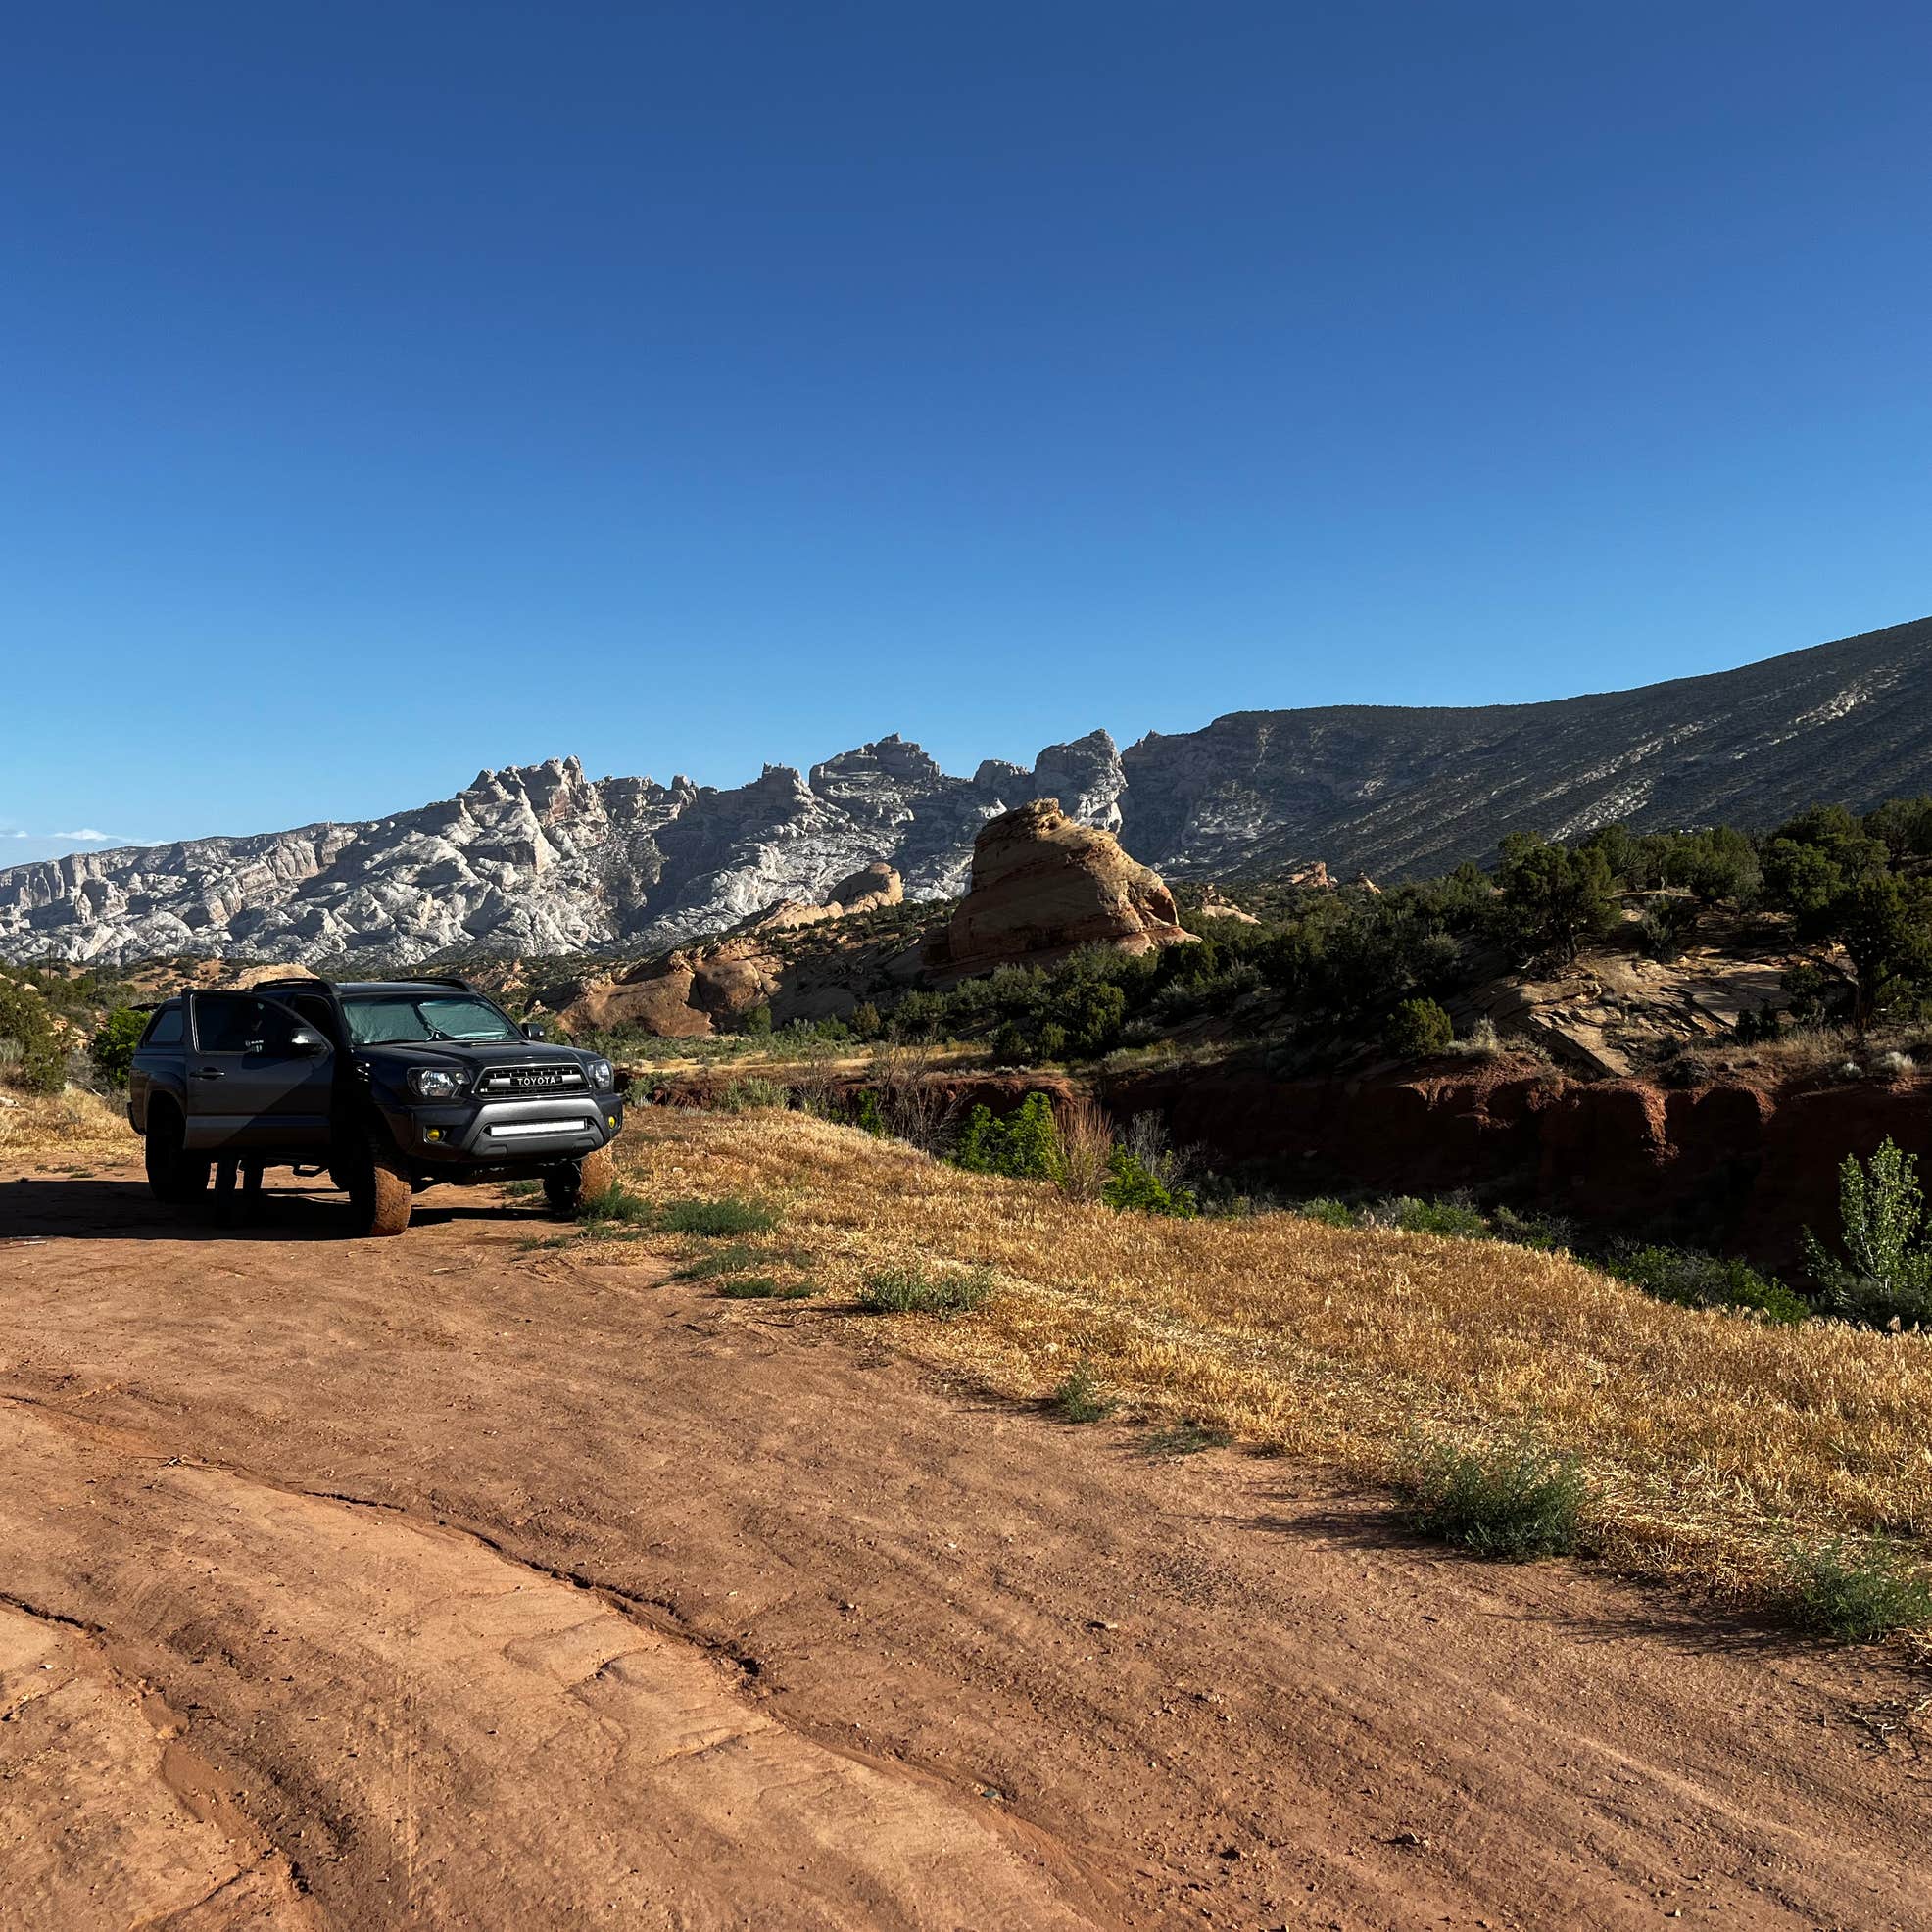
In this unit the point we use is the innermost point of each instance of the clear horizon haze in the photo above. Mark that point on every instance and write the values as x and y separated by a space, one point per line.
392 392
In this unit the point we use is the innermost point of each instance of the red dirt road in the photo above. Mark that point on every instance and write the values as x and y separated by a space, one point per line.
438 1583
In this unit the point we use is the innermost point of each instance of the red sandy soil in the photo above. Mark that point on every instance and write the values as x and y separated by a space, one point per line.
444 1582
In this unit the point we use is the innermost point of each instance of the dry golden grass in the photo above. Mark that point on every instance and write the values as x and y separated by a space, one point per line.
1712 1441
75 1125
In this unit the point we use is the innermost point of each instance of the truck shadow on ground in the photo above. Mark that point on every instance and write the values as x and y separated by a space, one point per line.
77 1207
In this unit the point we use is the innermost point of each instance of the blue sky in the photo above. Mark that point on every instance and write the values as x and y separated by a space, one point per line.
392 391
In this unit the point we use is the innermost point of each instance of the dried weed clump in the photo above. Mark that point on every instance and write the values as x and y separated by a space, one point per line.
1710 1445
72 1125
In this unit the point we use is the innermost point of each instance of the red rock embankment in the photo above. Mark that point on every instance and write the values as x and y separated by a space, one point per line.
1740 1166
1727 1164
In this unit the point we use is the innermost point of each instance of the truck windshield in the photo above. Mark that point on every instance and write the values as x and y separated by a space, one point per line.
376 1019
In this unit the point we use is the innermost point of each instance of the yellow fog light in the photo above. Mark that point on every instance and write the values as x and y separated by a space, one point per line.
432 1134
610 1120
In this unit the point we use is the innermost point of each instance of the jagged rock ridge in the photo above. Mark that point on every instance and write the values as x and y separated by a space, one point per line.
539 859
542 860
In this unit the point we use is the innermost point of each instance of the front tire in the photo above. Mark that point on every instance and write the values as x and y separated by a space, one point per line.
379 1191
176 1177
569 1188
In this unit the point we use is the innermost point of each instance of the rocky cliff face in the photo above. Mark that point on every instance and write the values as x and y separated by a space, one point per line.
544 859
541 859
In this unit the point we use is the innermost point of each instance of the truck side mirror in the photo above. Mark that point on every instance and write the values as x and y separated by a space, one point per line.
533 1030
302 1040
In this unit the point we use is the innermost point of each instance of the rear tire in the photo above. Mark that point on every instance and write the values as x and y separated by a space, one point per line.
176 1177
568 1188
379 1192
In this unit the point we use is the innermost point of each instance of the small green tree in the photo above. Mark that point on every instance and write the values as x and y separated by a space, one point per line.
1887 1266
757 1022
1885 926
1554 898
112 1049
1416 1029
1023 1145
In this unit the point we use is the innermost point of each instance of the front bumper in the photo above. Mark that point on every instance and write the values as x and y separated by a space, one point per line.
550 1126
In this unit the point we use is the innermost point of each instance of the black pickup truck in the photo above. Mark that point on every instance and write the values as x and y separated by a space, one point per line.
389 1086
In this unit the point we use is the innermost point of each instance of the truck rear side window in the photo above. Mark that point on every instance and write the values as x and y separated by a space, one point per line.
164 1029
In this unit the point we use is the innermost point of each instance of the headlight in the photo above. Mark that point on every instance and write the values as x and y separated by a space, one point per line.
435 1083
602 1075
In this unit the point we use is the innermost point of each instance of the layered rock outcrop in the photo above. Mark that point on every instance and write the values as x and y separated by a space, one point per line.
1044 885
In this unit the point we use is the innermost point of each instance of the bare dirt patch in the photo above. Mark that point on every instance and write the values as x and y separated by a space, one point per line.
450 1581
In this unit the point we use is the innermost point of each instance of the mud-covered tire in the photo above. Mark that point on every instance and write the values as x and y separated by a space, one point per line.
568 1187
379 1192
176 1177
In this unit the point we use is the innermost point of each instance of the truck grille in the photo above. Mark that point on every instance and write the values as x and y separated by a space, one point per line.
532 1079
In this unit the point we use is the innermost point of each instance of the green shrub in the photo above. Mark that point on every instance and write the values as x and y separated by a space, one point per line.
1022 1145
1080 1398
730 1215
618 1206
1329 1213
761 1287
916 1290
37 1061
757 1022
1132 1184
1511 1498
1857 1591
1706 1280
868 1116
1416 1029
112 1048
1419 1217
1887 1269
1549 1233
754 1090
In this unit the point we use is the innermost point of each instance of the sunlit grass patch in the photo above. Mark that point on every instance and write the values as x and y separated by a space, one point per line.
764 1287
1709 1442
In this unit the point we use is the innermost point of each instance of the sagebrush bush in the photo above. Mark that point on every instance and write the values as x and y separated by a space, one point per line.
1080 1398
617 1206
749 1091
1706 1280
1511 1497
731 1215
1857 1590
914 1289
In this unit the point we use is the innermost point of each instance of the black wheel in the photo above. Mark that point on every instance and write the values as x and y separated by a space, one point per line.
176 1177
378 1186
569 1186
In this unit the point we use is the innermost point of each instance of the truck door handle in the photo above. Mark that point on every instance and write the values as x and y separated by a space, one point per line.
209 1072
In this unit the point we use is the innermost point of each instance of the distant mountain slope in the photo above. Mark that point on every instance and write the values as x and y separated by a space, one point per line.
1398 791
543 860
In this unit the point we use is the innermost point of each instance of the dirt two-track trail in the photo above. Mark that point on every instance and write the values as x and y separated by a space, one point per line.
442 1582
